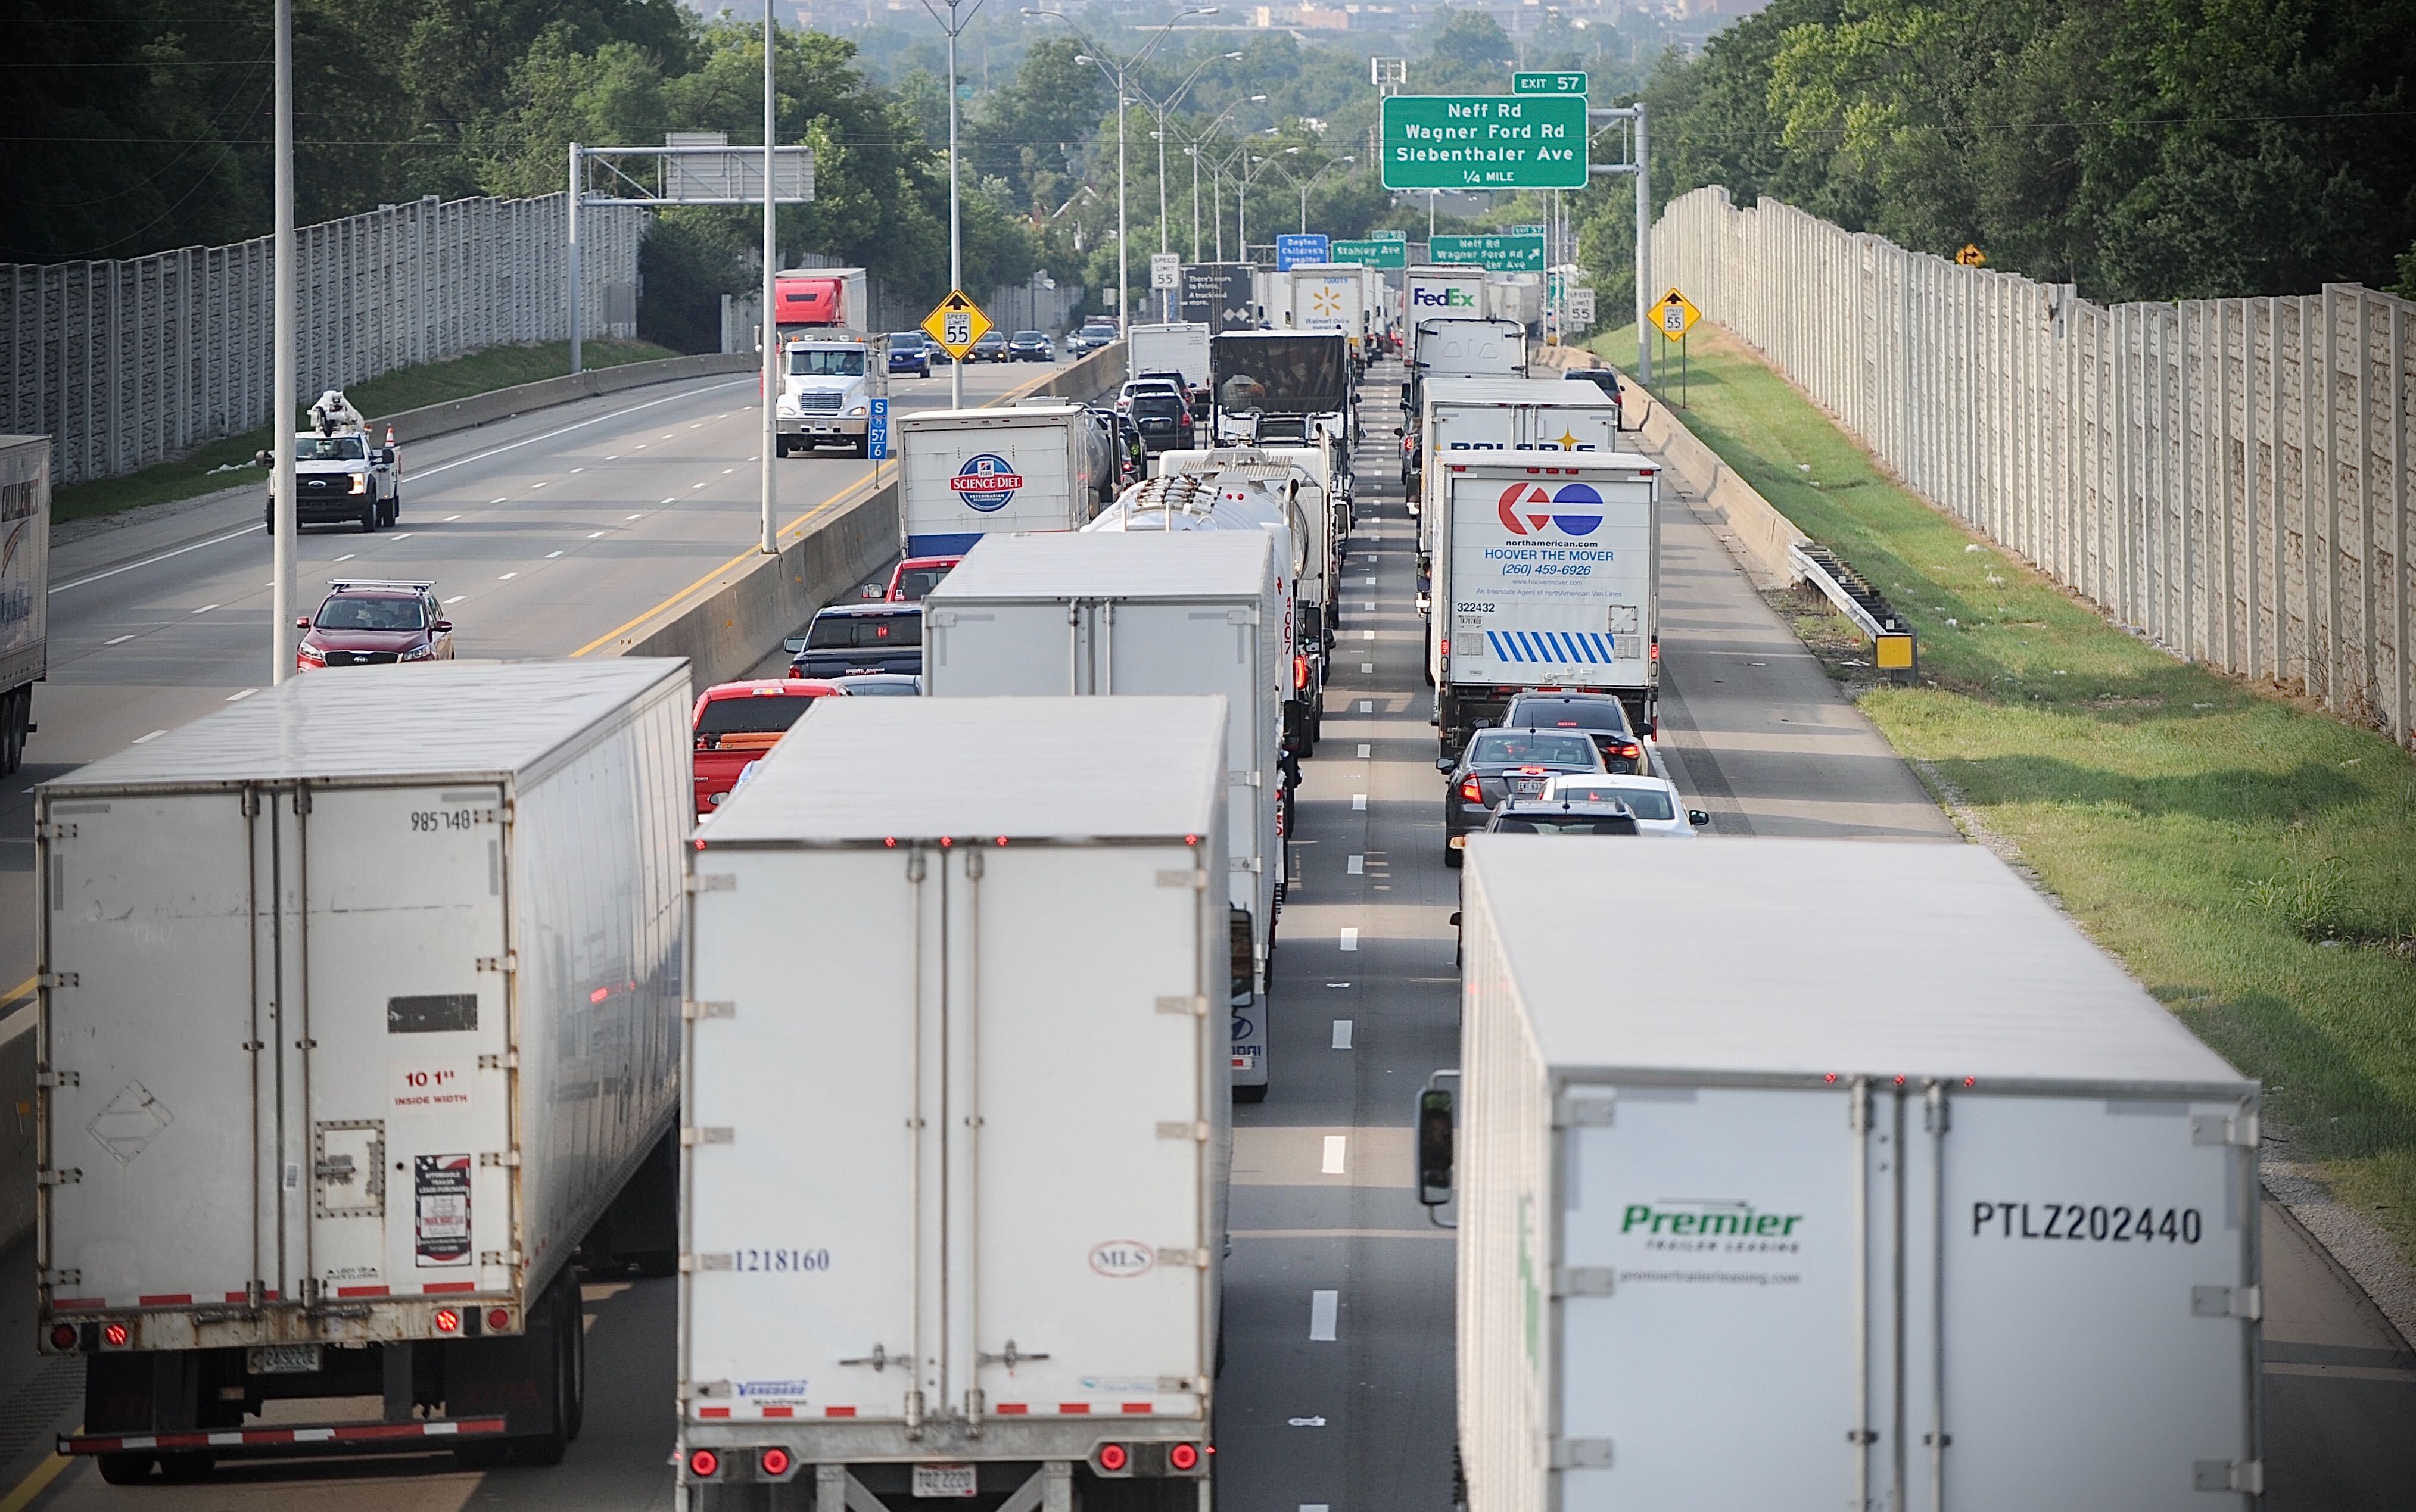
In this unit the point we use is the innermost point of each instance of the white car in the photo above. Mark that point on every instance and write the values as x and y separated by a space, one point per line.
1653 800
1147 385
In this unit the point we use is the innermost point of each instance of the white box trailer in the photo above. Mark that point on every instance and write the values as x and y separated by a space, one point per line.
359 1017
1463 415
1149 612
1178 346
1967 1224
1546 574
1331 296
1446 290
25 587
1451 346
967 473
940 1270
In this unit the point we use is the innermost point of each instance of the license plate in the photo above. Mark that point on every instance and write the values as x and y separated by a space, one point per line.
943 1480
282 1359
1527 787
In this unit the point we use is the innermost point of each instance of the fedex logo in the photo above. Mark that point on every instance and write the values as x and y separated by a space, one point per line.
1451 297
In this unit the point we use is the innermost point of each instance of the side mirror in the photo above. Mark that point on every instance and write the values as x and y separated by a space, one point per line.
443 626
1435 1140
1444 763
1698 818
1455 919
387 456
1649 728
874 590
301 622
263 459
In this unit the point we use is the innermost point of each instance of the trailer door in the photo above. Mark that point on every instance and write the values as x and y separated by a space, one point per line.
397 1068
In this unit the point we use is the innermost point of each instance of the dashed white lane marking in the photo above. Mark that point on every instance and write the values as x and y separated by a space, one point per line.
1366 706
1359 801
1369 580
641 516
550 555
451 518
614 458
491 501
119 639
593 535
241 695
578 470
672 500
1366 750
640 447
145 740
346 557
405 536
1367 635
205 609
1367 666
507 577
1337 1146
1309 1507
1371 606
726 471
1324 1307
693 485
1341 1036
457 598
1350 937
1355 866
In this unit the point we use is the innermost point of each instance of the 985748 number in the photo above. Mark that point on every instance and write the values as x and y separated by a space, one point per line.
2087 1222
428 821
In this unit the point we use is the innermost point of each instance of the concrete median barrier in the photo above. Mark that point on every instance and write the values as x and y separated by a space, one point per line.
443 419
1753 524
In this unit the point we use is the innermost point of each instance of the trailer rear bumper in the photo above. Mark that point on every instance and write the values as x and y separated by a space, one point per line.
351 1438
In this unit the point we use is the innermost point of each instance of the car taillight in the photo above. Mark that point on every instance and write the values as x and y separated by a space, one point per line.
1626 748
1471 790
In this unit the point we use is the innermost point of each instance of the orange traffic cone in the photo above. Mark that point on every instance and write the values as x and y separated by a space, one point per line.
389 433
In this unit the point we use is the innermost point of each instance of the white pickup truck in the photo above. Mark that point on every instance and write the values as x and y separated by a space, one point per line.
825 396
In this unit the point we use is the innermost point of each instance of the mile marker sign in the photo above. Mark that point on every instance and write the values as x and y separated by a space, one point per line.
956 322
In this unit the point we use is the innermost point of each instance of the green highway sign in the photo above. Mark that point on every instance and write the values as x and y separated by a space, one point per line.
1547 84
1485 141
1375 252
1526 229
1497 254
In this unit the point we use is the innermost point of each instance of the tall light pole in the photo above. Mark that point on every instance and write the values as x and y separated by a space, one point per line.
1115 69
1242 200
1302 184
1198 140
284 397
1216 190
1161 108
771 436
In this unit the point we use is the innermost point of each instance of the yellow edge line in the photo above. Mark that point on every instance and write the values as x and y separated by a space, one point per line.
36 1482
753 554
18 994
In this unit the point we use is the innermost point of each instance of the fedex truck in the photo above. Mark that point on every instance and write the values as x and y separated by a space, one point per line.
1443 291
967 473
1546 574
1180 612
1465 417
922 1269
1970 1226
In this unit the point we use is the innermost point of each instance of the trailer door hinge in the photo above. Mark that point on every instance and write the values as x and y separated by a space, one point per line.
1570 1111
1196 1131
2228 1475
55 832
503 1157
508 962
1581 1281
1580 1454
708 1136
2223 1128
509 1061
1245 864
59 979
704 1388
691 1008
720 1261
713 882
1195 879
1252 778
65 1175
2245 1302
1195 1005
58 1079
500 1257
69 1277
1240 617
1196 1259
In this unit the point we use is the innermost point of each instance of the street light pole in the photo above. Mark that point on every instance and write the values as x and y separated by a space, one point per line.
284 397
956 221
771 314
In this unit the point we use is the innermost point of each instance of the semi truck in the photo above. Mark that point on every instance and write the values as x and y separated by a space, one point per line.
1153 612
826 393
938 1274
1465 416
819 301
358 1021
1546 574
1973 1224
25 587
1331 296
967 473
1279 385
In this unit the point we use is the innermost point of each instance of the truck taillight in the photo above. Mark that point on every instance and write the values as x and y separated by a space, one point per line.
1113 1459
1446 646
499 1320
1184 1457
447 1321
115 1335
1299 673
1472 791
64 1336
703 1463
776 1462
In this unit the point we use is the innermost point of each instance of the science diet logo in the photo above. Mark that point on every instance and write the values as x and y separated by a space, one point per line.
1527 508
987 482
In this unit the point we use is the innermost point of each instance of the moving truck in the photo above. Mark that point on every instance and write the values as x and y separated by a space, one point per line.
967 473
1546 575
1971 1225
938 1272
1438 291
25 587
360 1018
1487 415
1142 611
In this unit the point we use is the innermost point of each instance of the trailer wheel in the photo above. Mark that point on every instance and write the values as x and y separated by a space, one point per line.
185 1469
569 1377
16 706
125 1469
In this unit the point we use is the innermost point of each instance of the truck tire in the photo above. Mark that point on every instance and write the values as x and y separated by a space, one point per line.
1251 1094
16 709
185 1469
268 519
569 1377
394 507
370 514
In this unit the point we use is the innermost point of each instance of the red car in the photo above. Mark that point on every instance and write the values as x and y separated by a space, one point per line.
735 723
914 576
366 622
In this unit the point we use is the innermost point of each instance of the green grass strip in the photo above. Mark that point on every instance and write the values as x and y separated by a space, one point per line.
2252 861
407 388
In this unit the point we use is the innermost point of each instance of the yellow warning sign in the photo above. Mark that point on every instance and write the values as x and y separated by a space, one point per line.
956 322
1971 257
1675 314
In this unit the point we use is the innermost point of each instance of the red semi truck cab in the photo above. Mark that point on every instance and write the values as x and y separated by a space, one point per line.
818 299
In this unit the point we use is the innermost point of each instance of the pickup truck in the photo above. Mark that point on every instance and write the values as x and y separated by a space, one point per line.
848 639
341 478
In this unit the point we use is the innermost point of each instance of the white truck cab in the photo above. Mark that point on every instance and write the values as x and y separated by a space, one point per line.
825 395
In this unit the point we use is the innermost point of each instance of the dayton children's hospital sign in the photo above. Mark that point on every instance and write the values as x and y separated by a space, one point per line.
1485 141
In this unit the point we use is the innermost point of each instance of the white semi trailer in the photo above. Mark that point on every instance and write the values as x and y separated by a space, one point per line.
360 1018
1970 1225
919 1267
1153 612
967 473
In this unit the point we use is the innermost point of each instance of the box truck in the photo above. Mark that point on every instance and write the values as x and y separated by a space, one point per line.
1451 348
1333 296
359 1017
934 1273
967 473
1143 611
25 587
1972 1224
1180 347
1443 291
1546 575
1489 416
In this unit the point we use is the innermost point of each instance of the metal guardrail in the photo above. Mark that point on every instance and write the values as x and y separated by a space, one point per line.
1894 648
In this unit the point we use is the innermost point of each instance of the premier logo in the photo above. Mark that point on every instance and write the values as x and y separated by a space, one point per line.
1707 1220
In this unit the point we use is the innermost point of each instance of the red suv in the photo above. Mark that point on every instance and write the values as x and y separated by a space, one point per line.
736 722
366 622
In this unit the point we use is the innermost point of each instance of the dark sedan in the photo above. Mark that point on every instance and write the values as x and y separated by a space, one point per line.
1600 717
910 352
990 348
1030 346
1501 765
848 639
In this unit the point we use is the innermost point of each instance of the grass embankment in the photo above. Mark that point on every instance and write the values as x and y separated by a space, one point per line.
481 372
2252 862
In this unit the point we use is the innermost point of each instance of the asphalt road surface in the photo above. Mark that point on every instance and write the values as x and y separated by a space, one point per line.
1337 1393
